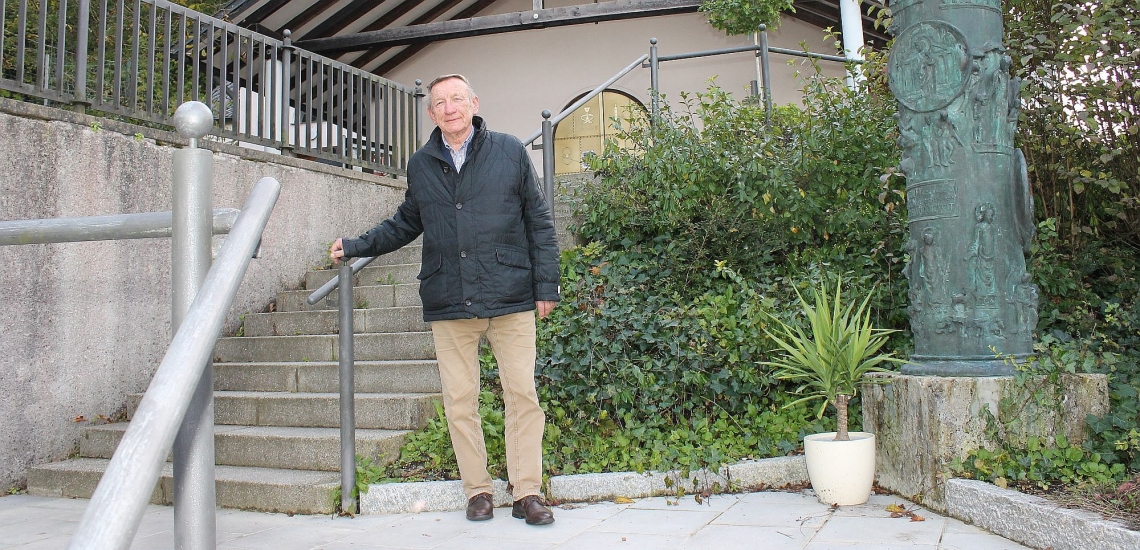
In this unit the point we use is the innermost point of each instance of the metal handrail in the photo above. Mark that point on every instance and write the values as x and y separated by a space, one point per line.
332 284
346 374
117 505
147 225
762 50
757 48
593 93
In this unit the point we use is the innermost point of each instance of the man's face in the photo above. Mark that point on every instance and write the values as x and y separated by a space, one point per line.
452 107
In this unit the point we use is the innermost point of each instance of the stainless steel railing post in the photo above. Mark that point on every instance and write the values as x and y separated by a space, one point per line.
347 390
195 524
765 74
117 505
80 101
419 95
654 75
548 159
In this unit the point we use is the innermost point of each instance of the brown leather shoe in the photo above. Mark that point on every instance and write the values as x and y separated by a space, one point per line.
533 510
480 507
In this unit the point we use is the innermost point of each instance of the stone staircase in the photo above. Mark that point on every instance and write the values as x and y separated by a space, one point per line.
276 408
276 393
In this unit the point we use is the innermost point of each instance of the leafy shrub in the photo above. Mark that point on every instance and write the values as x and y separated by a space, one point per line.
642 380
709 223
1080 123
619 345
1038 465
1112 447
713 181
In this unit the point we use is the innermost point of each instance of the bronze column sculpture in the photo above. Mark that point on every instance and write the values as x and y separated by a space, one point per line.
972 302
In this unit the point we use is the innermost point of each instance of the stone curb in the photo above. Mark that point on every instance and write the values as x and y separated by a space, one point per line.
442 496
1034 521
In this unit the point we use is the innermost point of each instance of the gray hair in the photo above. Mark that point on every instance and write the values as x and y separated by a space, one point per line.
456 76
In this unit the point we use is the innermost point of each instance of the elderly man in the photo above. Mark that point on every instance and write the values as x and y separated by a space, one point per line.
490 259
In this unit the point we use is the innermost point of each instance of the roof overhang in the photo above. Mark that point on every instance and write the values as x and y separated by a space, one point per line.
378 35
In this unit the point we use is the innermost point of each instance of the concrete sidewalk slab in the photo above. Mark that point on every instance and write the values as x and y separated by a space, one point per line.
763 520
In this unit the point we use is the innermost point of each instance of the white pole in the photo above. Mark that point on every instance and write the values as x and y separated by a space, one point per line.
852 37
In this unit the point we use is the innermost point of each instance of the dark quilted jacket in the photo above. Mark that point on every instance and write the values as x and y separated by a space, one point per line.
489 247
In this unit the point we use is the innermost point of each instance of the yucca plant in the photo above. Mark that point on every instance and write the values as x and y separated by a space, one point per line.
831 362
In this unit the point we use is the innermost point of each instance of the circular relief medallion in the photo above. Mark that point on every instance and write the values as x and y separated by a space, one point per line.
929 66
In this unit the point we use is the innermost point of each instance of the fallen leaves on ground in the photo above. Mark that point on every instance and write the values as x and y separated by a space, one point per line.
901 511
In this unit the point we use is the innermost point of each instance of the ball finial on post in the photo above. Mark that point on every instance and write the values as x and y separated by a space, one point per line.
193 120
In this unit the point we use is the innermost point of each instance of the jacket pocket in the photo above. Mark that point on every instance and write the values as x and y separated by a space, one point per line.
433 283
513 274
512 256
430 266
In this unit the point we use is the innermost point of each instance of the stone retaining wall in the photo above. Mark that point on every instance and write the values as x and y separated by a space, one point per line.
86 324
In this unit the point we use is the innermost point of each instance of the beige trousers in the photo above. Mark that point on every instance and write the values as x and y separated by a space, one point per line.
512 339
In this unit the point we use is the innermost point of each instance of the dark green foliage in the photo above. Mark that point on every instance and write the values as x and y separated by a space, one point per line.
1038 465
1080 130
713 217
712 182
1080 125
623 347
1107 455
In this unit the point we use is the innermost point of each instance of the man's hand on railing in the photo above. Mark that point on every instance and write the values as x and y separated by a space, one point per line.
336 251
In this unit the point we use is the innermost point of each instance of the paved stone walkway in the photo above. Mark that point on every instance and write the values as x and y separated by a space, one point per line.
724 522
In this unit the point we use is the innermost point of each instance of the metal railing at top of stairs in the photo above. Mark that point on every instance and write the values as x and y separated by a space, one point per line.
177 409
652 61
762 50
140 59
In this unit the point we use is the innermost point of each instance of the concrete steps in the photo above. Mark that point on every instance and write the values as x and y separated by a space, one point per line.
377 296
276 408
295 323
247 488
381 411
277 402
265 446
324 347
415 376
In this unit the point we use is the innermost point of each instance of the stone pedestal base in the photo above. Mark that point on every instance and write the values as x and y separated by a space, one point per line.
923 423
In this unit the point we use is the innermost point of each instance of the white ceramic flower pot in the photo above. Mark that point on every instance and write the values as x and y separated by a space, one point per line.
841 472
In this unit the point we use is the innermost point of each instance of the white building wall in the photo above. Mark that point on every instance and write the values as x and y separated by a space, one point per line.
519 74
